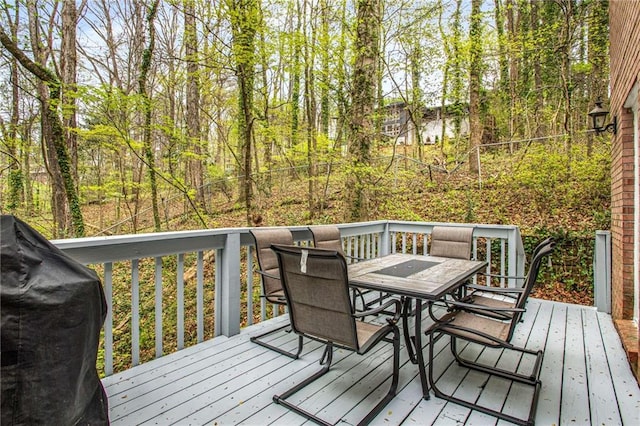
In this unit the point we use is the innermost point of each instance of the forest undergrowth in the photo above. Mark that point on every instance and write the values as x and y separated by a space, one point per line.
540 188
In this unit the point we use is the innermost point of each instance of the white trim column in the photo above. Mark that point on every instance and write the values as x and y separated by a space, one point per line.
633 102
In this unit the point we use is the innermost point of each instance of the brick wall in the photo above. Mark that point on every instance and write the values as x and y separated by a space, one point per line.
624 16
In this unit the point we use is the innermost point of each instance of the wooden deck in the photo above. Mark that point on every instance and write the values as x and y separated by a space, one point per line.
585 374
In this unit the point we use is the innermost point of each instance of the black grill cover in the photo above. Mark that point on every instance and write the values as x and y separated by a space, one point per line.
52 311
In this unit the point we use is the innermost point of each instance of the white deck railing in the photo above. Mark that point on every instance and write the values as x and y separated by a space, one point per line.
500 245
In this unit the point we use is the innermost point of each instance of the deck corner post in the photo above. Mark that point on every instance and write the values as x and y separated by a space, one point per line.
602 272
516 257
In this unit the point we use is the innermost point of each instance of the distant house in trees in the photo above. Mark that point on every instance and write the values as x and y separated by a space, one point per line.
624 39
398 126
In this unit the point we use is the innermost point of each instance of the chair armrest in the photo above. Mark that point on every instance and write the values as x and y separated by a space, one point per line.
381 308
354 258
282 300
515 277
476 307
512 293
266 274
494 289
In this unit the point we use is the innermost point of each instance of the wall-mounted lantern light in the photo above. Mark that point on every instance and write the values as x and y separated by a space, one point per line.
598 116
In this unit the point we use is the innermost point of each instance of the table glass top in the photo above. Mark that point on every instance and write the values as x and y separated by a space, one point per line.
407 268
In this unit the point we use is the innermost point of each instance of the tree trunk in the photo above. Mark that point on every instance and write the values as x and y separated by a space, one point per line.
310 109
16 176
475 71
445 79
457 97
512 29
540 128
196 172
244 23
363 96
149 156
325 78
296 40
66 196
503 61
416 110
68 65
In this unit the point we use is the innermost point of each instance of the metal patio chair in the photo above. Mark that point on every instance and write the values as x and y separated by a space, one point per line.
451 241
505 297
446 241
491 327
316 287
270 277
328 237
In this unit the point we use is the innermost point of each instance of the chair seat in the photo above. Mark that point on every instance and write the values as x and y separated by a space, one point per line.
477 324
491 302
369 334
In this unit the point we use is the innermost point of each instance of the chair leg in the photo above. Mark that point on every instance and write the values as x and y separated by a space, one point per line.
256 340
530 379
281 399
326 360
394 381
439 394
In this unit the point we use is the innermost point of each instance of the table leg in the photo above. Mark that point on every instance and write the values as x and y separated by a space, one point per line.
409 341
418 347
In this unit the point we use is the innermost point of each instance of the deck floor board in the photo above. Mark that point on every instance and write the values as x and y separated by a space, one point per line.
585 377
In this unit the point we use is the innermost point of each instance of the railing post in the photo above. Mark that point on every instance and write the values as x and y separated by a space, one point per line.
228 298
602 272
516 256
384 241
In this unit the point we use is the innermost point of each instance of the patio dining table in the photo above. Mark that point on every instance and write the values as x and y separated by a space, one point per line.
419 277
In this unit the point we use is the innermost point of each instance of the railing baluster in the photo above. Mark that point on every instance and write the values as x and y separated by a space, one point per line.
425 241
200 296
217 301
415 244
108 321
158 306
474 255
367 251
488 259
135 312
354 245
180 300
503 243
249 285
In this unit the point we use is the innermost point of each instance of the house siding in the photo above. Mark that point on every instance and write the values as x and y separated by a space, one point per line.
624 38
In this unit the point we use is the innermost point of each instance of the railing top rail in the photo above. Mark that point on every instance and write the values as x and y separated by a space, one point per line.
92 250
488 230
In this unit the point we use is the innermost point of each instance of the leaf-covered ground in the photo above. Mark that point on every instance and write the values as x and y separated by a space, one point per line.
540 189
